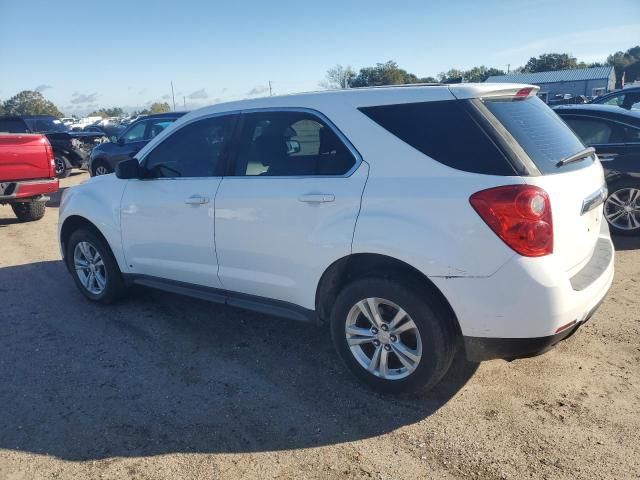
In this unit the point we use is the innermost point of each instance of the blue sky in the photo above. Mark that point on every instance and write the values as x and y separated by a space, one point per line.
84 54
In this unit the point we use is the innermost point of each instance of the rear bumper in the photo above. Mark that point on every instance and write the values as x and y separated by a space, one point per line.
529 304
27 189
478 349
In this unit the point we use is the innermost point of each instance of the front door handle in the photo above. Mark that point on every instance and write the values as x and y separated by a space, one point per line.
317 198
196 200
607 157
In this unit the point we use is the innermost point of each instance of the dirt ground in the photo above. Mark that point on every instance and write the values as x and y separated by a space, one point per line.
160 386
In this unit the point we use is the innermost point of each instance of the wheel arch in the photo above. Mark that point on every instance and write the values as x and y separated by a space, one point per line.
73 223
359 265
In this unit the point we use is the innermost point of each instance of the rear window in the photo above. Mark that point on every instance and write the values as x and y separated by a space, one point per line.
445 131
542 134
13 125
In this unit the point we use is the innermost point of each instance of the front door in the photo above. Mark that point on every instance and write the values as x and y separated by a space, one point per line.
289 207
168 216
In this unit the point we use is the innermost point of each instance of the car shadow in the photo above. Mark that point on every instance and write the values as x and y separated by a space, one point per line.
626 242
158 373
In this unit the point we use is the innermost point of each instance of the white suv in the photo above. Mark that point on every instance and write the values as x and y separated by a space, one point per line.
414 220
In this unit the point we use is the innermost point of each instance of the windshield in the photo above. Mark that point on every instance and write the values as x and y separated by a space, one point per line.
46 124
541 133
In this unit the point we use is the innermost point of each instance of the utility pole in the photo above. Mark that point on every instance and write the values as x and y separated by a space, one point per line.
184 100
270 91
173 97
508 68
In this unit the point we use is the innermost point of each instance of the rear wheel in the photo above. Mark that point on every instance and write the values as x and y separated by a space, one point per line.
391 337
93 267
622 208
62 166
29 211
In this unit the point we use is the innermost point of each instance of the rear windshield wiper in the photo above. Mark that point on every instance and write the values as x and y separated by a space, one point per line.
576 156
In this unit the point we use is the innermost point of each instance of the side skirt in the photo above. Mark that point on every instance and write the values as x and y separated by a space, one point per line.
277 308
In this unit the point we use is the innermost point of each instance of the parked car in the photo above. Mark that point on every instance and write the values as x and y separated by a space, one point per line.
627 98
411 219
615 134
567 99
27 174
109 130
71 149
123 146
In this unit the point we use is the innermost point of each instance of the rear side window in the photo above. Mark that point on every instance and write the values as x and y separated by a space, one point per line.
541 133
445 131
13 125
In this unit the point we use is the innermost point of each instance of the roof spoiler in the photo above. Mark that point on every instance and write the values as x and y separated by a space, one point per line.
493 90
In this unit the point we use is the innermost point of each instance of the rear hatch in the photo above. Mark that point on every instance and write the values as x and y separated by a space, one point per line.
24 157
556 161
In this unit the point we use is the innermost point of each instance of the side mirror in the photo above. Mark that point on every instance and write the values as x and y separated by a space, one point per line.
120 141
127 169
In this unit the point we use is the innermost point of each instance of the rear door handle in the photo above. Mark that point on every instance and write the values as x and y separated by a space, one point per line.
196 200
317 198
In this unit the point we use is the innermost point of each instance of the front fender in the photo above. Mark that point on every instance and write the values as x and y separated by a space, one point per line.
98 202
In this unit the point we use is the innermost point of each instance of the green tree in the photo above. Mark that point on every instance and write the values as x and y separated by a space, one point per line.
551 61
386 74
1 108
622 61
339 77
29 102
158 107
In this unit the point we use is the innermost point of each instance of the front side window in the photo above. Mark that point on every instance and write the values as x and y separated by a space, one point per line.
157 126
615 100
135 133
195 150
285 144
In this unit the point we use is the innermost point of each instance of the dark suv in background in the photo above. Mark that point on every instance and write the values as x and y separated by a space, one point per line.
106 156
615 134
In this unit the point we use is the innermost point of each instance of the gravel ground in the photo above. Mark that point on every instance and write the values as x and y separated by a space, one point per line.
160 386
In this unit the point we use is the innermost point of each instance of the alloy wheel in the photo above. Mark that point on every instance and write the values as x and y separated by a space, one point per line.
101 170
383 338
622 209
90 268
59 165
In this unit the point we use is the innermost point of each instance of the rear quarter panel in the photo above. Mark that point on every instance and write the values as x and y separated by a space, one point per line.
23 157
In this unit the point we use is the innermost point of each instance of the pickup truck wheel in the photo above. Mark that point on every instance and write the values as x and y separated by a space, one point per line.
63 168
29 211
93 267
391 337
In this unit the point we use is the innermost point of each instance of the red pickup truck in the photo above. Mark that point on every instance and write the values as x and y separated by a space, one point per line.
27 174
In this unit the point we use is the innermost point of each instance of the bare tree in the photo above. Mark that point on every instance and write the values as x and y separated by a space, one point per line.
339 77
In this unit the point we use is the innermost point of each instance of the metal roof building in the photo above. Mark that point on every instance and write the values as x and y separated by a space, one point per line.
589 82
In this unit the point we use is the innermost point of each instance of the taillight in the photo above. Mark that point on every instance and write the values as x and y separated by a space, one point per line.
523 93
520 215
50 157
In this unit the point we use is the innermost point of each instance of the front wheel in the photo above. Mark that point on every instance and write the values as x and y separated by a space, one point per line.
29 211
100 168
93 267
622 208
391 337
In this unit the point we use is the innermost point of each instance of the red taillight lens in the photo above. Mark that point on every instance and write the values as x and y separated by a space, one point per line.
522 93
520 215
50 157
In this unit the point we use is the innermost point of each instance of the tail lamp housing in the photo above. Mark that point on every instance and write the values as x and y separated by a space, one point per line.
520 215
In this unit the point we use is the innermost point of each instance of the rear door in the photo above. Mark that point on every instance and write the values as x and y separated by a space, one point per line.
288 207
538 132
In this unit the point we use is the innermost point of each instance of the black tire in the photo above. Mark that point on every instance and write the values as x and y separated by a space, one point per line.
619 187
114 285
63 167
95 168
434 324
29 211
